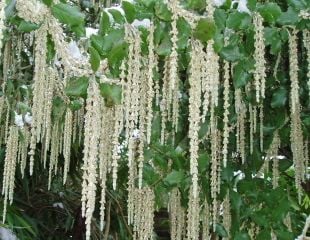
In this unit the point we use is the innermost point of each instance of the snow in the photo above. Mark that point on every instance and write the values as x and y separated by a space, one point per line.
7 234
141 23
219 3
58 205
91 31
74 50
28 118
19 120
242 6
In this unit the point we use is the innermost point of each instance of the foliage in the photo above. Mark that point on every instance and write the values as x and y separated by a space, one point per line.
253 199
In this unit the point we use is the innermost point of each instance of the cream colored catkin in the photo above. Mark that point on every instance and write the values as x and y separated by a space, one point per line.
91 151
143 214
226 113
23 145
150 83
259 57
38 90
296 135
306 42
240 109
67 142
193 220
176 215
206 216
227 215
9 168
194 112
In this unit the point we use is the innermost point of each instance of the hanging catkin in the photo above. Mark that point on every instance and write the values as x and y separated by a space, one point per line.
91 143
272 154
176 215
240 110
206 216
296 135
194 111
226 112
143 214
55 144
67 142
259 57
23 145
9 168
227 215
38 90
193 222
306 41
150 84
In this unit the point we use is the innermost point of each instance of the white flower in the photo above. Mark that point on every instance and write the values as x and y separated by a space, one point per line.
74 50
19 120
91 31
28 118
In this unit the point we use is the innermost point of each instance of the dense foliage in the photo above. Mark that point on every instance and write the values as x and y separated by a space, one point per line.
257 197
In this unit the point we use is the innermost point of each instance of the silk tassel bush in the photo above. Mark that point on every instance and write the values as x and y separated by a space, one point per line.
151 84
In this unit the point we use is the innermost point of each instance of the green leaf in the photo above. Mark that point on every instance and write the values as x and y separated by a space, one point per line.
290 17
242 236
71 16
68 14
117 16
299 4
105 23
164 47
270 12
231 53
112 93
94 59
220 17
279 98
238 20
205 30
273 39
162 11
25 26
75 105
48 2
174 178
220 230
129 10
241 75
77 87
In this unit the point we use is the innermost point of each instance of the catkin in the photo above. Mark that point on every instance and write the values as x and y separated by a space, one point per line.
259 57
91 152
9 168
296 135
67 142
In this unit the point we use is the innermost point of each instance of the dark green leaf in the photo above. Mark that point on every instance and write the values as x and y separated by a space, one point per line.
162 11
25 26
129 10
68 14
105 23
175 177
231 53
288 18
220 230
270 12
117 16
279 98
94 59
238 20
242 236
112 93
77 87
205 30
